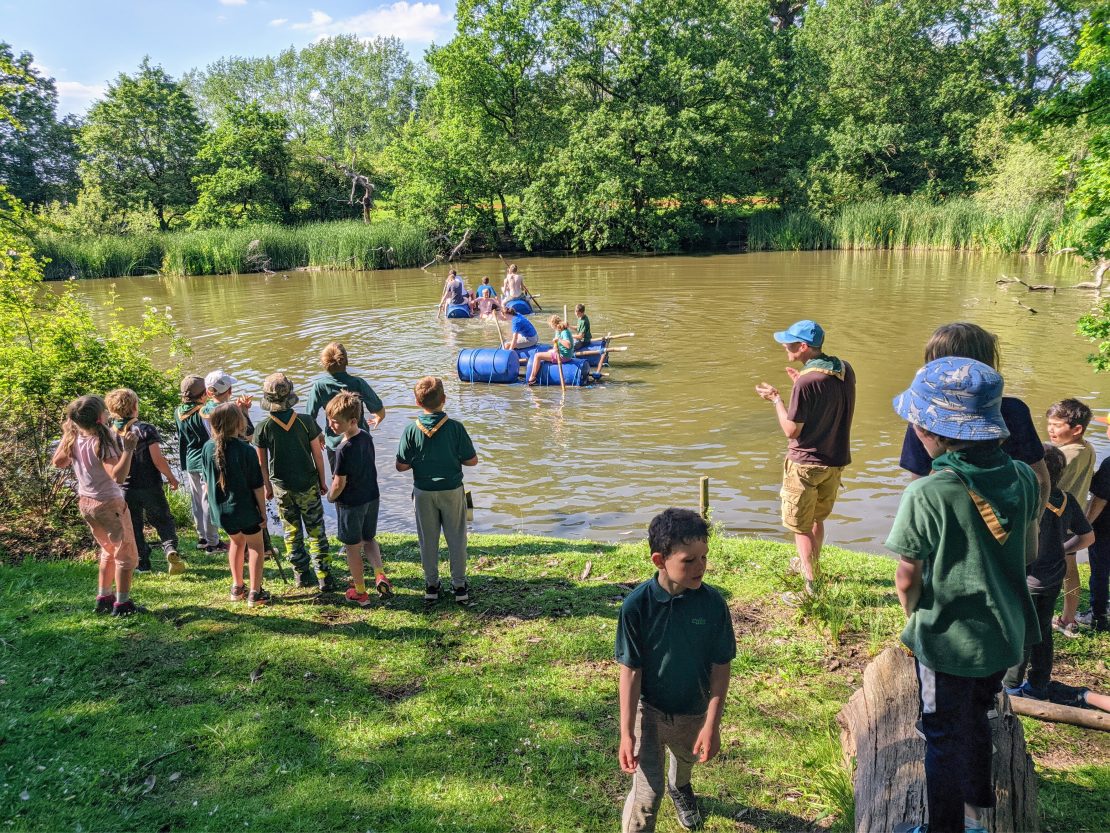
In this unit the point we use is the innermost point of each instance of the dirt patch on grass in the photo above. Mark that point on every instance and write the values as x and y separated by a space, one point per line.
756 617
398 691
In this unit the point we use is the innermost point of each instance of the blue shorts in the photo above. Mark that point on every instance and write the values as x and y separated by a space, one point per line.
357 523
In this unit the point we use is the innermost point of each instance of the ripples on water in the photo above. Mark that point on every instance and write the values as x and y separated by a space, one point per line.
598 463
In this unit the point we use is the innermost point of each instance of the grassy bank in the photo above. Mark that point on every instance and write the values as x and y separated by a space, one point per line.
354 245
500 716
912 223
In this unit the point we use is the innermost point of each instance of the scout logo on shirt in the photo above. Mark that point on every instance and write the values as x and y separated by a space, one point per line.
699 621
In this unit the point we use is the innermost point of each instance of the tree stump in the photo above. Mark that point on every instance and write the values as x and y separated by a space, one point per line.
877 731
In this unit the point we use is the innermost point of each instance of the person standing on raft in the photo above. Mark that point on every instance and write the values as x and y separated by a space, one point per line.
524 334
818 424
562 348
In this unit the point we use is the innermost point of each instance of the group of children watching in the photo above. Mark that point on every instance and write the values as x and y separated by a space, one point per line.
118 466
983 558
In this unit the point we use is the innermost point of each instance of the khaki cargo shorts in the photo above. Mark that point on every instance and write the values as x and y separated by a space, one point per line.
808 494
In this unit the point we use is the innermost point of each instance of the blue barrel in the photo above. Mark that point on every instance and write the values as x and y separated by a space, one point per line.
599 345
519 305
489 365
576 372
458 311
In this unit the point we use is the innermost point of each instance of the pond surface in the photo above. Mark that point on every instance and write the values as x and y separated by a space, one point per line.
598 463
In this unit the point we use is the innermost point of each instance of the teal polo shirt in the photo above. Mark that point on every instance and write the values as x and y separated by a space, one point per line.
675 641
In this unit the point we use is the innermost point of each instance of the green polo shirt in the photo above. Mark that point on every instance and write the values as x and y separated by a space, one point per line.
675 641
324 390
192 434
234 507
583 329
437 460
290 451
975 614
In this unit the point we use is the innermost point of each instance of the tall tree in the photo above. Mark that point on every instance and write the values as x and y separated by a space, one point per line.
140 143
245 170
38 153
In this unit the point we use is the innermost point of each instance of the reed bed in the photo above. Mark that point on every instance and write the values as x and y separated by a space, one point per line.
255 248
912 223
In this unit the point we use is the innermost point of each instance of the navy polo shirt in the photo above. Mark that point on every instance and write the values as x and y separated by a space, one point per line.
675 641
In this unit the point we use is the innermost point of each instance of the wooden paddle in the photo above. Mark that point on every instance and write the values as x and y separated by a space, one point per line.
619 335
559 364
497 321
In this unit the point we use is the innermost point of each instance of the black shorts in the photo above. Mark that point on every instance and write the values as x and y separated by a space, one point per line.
247 530
357 523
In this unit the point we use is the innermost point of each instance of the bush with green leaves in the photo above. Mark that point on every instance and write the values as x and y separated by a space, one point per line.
52 350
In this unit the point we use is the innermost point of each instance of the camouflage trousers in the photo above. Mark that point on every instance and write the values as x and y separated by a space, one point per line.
302 513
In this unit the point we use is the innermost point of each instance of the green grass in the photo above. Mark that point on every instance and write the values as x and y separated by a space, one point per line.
384 244
500 716
912 223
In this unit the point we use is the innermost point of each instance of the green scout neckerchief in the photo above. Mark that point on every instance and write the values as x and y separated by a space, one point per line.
984 471
829 365
122 426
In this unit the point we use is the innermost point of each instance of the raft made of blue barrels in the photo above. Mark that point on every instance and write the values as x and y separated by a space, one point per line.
519 305
576 372
458 311
593 352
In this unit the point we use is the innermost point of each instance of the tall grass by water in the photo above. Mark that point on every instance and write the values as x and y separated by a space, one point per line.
255 248
911 223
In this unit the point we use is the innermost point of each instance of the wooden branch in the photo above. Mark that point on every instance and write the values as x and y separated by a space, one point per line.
1055 713
459 248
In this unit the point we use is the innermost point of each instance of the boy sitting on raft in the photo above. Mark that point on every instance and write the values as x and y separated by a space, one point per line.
524 334
485 299
582 334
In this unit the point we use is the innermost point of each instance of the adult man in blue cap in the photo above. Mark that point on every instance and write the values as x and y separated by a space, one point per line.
818 423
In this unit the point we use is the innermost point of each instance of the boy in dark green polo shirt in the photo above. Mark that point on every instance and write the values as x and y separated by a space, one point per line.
963 535
289 451
326 387
436 448
675 645
582 334
192 434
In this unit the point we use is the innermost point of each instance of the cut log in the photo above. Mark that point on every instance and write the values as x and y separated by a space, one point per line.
877 733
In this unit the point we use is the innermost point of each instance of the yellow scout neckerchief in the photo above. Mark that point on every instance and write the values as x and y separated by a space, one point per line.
1058 511
430 432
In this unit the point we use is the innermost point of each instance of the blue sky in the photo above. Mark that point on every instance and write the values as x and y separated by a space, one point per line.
84 44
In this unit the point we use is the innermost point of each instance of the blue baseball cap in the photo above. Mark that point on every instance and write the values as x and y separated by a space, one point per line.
808 331
956 398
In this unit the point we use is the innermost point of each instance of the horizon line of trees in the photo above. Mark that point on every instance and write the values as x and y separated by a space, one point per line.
591 124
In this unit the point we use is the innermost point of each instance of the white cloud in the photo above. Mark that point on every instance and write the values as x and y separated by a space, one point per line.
420 22
233 2
75 97
318 21
279 21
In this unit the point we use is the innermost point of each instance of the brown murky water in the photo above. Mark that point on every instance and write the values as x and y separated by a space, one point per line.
598 463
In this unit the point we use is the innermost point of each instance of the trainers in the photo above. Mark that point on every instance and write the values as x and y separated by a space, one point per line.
973 826
128 608
462 594
431 592
144 565
219 546
104 604
328 585
304 580
1100 624
384 588
174 565
238 592
258 598
361 599
1070 630
1027 691
686 805
1085 619
202 544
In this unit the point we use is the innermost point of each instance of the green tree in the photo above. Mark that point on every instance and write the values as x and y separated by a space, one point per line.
246 170
38 153
140 143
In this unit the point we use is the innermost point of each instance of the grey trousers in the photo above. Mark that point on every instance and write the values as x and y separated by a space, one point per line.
202 516
446 511
657 733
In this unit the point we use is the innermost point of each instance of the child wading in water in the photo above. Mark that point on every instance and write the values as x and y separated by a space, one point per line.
233 480
101 463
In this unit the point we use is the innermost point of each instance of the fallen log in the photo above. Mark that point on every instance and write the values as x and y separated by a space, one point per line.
1055 713
877 734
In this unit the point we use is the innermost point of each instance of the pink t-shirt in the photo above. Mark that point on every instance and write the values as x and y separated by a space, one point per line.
93 480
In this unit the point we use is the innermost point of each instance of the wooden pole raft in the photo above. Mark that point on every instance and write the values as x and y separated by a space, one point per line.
877 731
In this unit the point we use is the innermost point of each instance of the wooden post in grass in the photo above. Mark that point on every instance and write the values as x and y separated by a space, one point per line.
877 732
703 502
